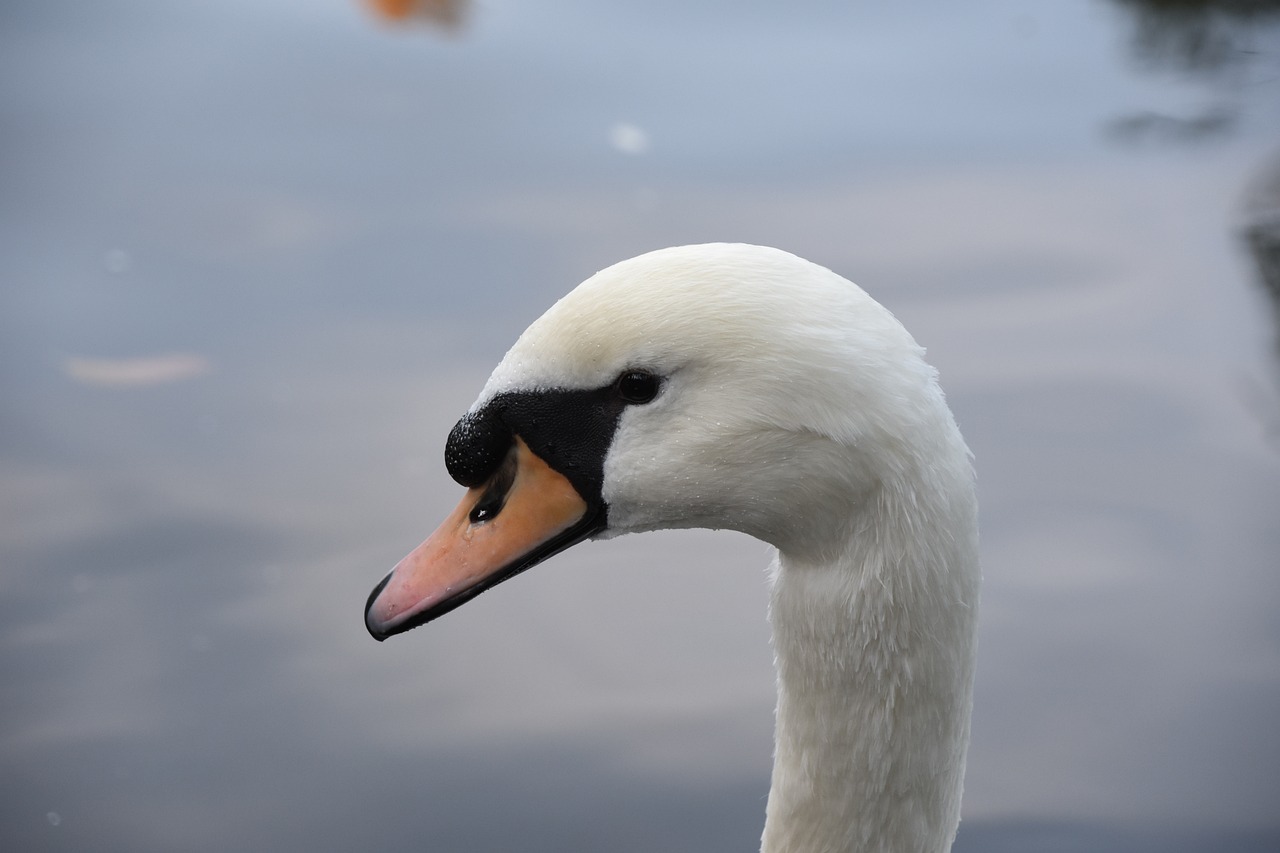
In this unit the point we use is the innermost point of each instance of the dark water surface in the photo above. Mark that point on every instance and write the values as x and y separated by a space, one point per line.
256 258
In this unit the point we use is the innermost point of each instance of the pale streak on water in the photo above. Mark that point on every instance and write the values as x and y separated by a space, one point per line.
257 257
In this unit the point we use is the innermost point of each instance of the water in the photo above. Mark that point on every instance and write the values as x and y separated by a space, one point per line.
258 257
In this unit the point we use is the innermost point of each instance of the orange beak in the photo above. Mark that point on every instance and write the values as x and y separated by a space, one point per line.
526 512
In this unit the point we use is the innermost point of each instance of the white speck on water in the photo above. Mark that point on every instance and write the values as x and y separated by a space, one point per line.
54 818
628 138
117 261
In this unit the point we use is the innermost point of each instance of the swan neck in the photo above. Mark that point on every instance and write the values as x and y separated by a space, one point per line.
875 654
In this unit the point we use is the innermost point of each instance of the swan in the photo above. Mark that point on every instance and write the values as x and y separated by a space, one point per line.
742 387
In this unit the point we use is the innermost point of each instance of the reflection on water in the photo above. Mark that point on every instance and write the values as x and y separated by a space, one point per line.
1232 44
1261 236
1148 124
1262 233
1235 45
245 301
1203 36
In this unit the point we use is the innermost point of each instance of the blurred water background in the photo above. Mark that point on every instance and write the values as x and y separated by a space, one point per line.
257 257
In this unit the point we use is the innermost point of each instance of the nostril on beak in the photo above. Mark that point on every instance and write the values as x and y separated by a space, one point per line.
496 490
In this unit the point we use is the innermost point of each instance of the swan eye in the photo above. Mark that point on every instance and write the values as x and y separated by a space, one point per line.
638 386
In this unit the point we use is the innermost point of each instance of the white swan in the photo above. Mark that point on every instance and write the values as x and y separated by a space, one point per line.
733 386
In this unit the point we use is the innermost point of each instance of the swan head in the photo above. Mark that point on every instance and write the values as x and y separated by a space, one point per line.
719 386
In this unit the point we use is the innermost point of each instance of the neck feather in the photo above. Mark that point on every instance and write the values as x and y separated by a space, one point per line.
875 654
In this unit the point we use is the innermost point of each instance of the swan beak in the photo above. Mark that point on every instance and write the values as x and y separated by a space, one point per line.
526 512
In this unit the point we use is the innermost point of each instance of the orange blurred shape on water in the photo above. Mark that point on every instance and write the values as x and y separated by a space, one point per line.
447 12
394 9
